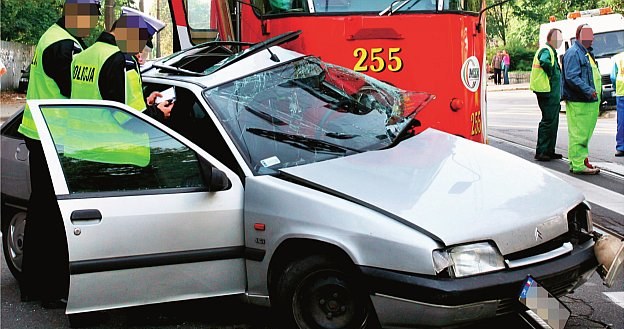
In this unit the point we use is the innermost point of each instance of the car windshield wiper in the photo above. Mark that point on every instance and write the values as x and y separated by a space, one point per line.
266 117
302 142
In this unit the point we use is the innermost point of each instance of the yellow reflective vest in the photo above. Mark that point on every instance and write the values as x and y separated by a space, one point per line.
619 78
41 86
134 88
539 81
98 134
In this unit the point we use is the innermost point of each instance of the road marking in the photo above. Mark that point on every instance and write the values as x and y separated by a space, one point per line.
599 195
598 130
616 297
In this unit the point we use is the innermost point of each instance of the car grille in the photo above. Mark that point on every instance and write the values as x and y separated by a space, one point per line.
577 225
561 284
541 248
606 79
507 305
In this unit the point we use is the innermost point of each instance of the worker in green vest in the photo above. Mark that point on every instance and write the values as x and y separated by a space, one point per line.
546 84
617 78
45 274
582 84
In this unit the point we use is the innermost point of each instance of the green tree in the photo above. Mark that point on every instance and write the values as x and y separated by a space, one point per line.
498 20
101 26
25 21
164 38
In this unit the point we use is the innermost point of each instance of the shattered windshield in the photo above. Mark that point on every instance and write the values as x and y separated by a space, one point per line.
307 111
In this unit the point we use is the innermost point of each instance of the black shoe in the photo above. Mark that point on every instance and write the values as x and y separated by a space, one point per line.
555 156
619 153
542 157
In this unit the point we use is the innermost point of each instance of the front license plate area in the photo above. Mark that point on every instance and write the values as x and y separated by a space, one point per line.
544 305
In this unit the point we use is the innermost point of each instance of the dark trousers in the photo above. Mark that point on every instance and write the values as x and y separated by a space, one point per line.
497 76
547 131
45 263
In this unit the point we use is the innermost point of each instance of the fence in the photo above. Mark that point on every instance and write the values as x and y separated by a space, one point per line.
16 57
519 77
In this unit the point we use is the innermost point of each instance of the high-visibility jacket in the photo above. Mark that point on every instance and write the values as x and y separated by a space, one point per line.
41 86
98 134
619 78
86 68
539 81
134 88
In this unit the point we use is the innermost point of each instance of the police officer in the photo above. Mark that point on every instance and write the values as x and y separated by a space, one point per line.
546 84
45 265
108 71
617 78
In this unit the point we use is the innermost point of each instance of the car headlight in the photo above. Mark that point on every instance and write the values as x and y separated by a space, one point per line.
468 259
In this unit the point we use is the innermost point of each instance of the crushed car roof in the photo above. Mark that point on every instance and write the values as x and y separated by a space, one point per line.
216 62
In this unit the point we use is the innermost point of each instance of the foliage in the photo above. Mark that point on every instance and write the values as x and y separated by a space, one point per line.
100 26
521 57
516 24
25 21
498 20
160 9
525 17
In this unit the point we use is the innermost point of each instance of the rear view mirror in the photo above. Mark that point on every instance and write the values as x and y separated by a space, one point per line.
215 179
218 181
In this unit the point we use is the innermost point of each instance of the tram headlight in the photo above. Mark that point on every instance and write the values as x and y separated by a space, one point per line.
456 104
470 259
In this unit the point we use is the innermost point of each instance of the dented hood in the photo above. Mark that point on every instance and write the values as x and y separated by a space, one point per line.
457 190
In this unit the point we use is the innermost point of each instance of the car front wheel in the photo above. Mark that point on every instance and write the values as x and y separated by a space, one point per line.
321 293
13 242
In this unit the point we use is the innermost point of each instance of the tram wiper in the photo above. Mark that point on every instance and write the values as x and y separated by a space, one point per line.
302 142
391 9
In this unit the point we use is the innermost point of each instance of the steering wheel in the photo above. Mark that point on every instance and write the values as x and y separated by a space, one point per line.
372 99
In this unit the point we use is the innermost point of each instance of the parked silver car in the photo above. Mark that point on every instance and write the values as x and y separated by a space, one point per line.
297 184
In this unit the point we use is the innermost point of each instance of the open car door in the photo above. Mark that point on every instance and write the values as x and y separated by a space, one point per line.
149 217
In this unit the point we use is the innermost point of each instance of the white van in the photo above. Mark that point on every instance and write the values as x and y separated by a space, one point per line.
608 40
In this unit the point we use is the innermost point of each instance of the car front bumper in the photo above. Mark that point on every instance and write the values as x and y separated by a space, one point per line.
404 300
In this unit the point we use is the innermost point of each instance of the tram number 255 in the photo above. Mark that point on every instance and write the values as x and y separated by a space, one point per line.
378 61
475 118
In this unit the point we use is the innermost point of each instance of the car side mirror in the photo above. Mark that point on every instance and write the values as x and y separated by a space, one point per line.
215 179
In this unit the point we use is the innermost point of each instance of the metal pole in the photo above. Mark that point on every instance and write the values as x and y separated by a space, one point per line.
158 34
109 13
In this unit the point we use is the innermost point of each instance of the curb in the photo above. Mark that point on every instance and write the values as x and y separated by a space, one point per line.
508 89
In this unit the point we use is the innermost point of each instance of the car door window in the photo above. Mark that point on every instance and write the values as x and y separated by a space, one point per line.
104 149
190 119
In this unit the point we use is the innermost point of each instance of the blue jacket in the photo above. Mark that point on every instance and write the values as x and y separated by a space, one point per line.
578 79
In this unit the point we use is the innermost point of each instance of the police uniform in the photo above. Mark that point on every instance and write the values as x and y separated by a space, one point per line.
104 72
546 83
45 267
